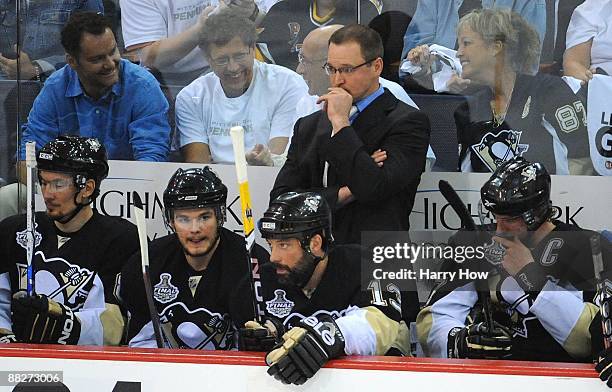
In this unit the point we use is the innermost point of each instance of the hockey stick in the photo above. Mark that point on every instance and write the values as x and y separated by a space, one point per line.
604 288
467 222
30 215
141 224
248 224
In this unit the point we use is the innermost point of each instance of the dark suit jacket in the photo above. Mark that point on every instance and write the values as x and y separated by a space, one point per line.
384 196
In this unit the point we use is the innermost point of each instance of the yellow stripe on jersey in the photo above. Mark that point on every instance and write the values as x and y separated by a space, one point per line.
389 333
112 325
578 342
424 322
321 19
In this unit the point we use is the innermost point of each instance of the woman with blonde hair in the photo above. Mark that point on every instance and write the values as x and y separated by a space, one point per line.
536 116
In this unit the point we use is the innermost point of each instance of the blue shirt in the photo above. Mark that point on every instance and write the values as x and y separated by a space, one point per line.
130 120
365 102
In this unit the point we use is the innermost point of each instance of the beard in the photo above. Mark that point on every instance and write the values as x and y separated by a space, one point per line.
300 274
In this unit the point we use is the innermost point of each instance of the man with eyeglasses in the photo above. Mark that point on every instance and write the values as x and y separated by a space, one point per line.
240 91
311 59
338 151
78 255
194 271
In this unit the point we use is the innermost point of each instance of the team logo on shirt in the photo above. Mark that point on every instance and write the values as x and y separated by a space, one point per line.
294 35
496 148
280 306
22 238
59 280
199 329
494 252
165 291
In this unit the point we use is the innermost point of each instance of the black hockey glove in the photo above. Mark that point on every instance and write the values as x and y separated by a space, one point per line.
255 337
7 336
305 349
37 319
604 367
476 342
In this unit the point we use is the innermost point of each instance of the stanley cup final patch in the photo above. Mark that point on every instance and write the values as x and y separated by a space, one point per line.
280 306
22 237
165 291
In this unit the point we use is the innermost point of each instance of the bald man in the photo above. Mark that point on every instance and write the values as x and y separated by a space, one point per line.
312 57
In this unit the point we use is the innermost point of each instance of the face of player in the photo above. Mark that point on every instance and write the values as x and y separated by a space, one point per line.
58 190
311 68
233 65
511 226
293 265
98 63
197 230
477 57
360 83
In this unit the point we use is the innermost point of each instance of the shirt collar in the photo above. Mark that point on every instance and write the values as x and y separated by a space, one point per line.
75 89
365 102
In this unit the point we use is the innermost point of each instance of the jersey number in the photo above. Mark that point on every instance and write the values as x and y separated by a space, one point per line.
378 299
567 116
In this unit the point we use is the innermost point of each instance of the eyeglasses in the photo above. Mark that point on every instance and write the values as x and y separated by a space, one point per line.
343 70
225 60
302 60
55 186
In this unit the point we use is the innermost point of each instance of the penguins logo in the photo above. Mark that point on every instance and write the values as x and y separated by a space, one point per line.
59 280
494 149
198 329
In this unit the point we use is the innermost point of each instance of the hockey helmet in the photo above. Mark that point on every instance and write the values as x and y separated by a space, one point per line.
297 215
195 188
83 157
519 188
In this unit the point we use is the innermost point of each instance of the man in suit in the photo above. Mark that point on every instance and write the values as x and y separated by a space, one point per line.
365 151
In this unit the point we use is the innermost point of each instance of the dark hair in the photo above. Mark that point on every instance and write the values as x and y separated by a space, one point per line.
79 23
219 29
521 41
368 40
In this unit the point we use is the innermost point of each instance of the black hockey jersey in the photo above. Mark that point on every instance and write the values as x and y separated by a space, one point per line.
288 22
545 122
78 269
339 294
193 306
553 327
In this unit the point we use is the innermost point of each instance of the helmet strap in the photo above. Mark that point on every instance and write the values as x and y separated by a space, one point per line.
79 206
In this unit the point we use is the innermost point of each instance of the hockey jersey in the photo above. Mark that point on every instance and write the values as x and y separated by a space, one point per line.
545 122
288 22
552 327
370 318
193 306
79 270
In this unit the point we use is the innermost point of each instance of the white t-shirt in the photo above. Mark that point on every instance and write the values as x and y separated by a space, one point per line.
593 19
153 20
266 110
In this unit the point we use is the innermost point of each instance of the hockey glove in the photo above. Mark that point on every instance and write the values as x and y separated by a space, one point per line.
604 367
7 336
38 319
476 342
255 337
305 349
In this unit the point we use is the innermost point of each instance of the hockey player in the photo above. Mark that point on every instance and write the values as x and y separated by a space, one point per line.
78 254
312 289
193 271
540 275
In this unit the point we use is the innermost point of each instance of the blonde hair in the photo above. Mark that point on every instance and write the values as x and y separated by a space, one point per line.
520 40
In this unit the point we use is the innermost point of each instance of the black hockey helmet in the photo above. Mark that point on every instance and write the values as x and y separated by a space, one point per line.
83 157
195 188
297 215
519 188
